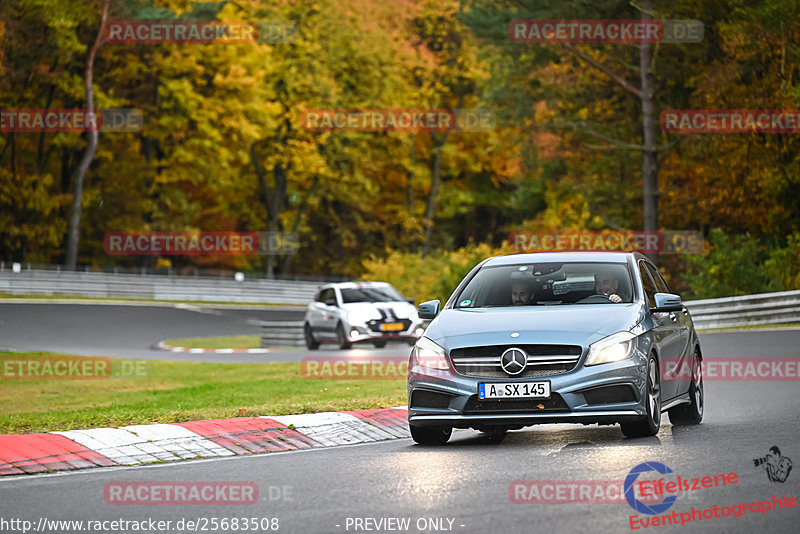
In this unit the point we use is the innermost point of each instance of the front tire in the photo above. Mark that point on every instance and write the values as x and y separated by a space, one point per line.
692 413
311 343
431 435
342 338
651 423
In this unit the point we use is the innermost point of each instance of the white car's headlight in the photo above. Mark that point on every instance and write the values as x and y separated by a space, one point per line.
613 348
426 353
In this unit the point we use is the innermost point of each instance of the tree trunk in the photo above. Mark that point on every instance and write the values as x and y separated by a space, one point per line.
297 218
430 209
649 134
73 232
410 177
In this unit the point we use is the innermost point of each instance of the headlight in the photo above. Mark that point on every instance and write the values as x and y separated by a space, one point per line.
613 348
361 317
414 316
426 353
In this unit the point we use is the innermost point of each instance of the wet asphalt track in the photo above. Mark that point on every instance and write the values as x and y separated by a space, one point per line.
467 480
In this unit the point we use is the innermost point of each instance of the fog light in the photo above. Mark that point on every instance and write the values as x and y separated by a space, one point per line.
353 333
419 332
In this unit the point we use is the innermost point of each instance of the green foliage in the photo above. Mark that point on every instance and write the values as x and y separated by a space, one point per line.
434 276
783 264
734 266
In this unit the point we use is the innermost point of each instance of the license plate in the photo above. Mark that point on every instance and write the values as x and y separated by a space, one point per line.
514 390
391 327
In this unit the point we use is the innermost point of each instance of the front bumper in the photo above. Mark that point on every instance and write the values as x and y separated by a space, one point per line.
368 332
603 394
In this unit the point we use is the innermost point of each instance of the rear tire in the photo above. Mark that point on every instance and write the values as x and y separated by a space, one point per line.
651 423
431 435
311 343
342 338
691 414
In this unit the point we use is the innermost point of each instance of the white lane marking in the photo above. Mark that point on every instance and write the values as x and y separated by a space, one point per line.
119 445
333 428
181 442
28 477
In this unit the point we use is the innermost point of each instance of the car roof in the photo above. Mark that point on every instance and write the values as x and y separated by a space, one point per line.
565 256
354 285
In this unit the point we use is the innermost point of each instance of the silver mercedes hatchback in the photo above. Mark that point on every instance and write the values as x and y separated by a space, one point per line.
562 337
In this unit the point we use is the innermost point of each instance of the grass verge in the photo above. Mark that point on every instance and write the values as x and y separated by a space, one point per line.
180 391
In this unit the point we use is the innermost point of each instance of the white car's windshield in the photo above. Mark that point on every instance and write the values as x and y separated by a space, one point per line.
371 294
546 284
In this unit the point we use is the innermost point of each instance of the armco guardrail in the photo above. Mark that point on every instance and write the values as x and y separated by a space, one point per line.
156 287
282 334
765 308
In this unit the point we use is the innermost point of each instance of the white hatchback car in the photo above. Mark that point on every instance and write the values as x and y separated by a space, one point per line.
352 312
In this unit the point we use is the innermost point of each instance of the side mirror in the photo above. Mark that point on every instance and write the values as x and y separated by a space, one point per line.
667 302
330 302
410 301
428 310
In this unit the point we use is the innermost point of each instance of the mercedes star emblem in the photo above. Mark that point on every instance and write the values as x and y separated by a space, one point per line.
513 361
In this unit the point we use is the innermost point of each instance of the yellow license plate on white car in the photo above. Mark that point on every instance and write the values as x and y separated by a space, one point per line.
514 390
391 327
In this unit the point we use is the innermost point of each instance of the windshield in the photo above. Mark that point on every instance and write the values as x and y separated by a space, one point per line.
548 284
371 294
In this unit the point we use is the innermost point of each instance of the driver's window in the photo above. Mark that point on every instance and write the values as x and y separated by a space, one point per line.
328 295
647 283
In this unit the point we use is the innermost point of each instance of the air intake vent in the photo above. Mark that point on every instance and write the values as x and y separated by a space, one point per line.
422 398
609 395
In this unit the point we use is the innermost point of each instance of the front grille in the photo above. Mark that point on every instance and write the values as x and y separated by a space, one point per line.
543 360
609 394
421 398
476 406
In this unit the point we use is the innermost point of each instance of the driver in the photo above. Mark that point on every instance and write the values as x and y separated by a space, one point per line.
521 293
605 284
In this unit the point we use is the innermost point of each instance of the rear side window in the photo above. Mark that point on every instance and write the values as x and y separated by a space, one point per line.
648 284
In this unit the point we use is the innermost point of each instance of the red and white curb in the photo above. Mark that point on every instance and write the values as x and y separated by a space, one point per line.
143 444
171 348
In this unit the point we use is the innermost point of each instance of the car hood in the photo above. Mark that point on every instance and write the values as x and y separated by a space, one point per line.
401 310
581 324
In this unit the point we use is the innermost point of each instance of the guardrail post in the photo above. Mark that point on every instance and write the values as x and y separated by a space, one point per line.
282 334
